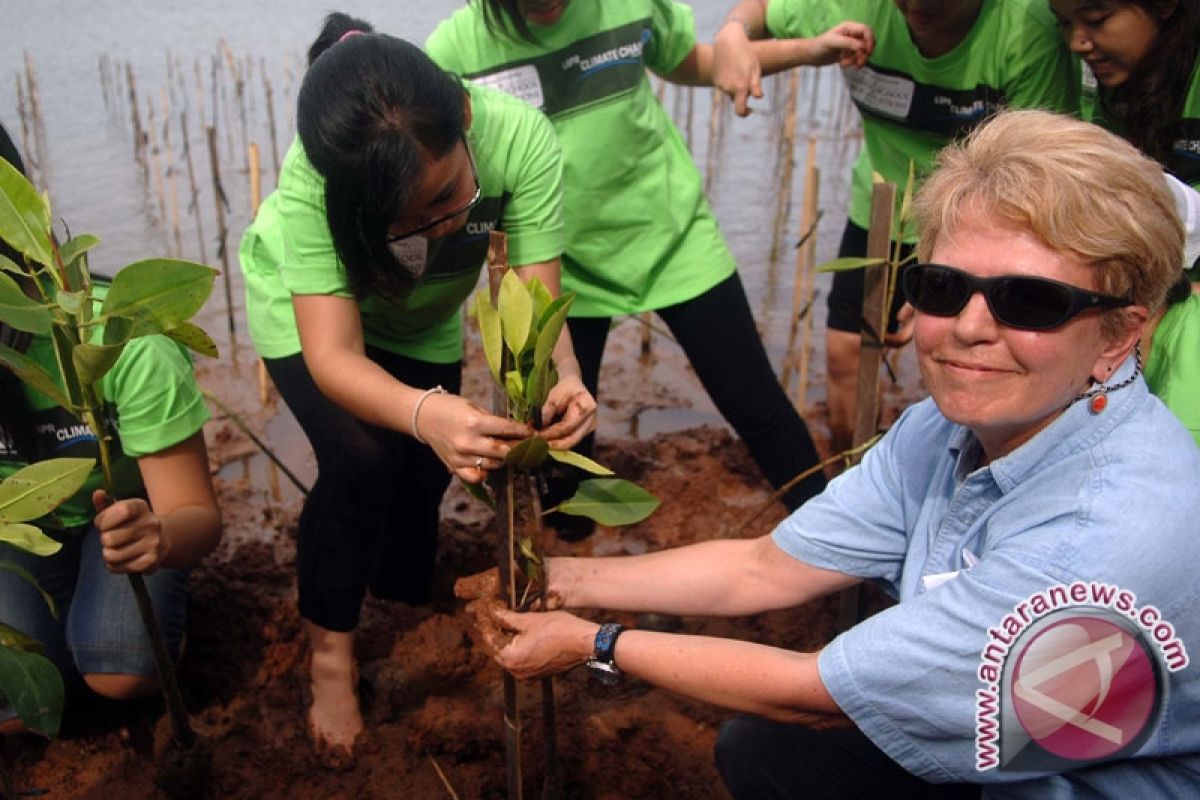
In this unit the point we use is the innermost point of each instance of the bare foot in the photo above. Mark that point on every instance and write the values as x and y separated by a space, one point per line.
334 720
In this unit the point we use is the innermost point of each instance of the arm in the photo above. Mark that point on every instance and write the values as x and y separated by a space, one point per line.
458 430
179 526
736 69
569 402
723 577
848 44
769 681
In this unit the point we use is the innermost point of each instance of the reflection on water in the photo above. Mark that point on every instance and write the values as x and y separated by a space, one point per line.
213 63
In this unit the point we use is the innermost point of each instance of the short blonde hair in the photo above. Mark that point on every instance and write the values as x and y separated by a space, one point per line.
1077 187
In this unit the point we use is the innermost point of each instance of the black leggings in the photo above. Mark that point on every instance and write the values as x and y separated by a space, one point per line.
716 330
371 519
766 760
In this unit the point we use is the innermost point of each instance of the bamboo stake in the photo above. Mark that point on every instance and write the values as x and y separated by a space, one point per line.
811 205
156 160
39 120
264 379
270 101
172 187
194 202
24 121
691 107
874 319
139 138
787 167
222 251
502 485
808 219
104 83
714 138
223 106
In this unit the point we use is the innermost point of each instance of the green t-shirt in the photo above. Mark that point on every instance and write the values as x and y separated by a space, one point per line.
640 234
913 106
289 250
151 402
1173 369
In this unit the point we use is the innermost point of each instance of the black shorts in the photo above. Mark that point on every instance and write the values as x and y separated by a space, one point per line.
846 296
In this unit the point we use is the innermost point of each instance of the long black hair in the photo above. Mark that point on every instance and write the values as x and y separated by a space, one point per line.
1151 100
371 111
504 18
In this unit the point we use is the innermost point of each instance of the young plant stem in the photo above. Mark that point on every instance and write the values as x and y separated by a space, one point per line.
552 781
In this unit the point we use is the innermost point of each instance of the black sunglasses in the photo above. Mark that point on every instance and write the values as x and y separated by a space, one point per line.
464 208
1018 301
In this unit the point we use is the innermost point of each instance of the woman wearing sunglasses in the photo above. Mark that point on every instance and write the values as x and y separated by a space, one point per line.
355 270
1035 518
1142 79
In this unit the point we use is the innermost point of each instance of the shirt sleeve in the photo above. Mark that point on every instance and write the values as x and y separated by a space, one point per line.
441 48
673 37
310 264
155 393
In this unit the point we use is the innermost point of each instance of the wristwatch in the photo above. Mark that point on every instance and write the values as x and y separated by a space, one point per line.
601 664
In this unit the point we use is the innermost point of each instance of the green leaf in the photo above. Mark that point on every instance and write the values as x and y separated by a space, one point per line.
548 333
848 264
11 637
92 361
480 493
516 312
194 338
117 330
527 453
526 547
65 339
610 501
8 265
158 294
579 460
72 302
76 247
541 296
29 538
20 311
24 216
490 332
514 385
38 489
24 575
34 689
32 374
537 388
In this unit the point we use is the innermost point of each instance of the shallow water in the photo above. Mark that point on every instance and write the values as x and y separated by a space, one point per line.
86 159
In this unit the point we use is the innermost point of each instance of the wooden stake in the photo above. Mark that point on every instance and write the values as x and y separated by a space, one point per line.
812 190
270 100
874 314
714 137
787 167
172 188
139 137
194 202
222 251
24 125
38 119
255 178
808 218
156 160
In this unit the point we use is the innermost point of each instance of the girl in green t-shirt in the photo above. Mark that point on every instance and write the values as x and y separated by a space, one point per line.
166 521
356 268
1142 61
640 233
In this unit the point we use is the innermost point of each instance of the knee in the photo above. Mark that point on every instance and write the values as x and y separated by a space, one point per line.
118 686
738 753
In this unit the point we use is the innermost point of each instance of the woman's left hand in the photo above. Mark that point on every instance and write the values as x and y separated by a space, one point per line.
570 411
848 44
535 644
131 534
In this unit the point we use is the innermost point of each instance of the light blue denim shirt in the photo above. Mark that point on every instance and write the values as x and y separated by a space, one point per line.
1109 499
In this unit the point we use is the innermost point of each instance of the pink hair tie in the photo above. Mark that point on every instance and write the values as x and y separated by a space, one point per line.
350 34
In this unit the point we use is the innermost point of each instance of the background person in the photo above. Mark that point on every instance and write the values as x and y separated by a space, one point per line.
640 233
1047 242
356 268
939 67
166 520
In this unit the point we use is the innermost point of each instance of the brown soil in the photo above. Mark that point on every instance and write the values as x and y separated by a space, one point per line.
434 700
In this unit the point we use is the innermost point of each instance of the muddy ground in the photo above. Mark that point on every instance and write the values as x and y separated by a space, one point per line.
433 700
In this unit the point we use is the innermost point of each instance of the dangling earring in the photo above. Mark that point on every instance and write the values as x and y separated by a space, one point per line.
1097 396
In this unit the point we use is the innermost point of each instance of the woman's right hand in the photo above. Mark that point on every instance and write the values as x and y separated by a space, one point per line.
736 70
467 439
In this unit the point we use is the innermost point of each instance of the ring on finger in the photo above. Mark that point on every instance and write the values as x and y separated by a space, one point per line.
479 463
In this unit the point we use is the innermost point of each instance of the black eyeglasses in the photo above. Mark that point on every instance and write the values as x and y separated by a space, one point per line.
1018 301
474 201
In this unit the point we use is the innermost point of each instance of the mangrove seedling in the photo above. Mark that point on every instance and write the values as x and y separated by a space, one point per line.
52 295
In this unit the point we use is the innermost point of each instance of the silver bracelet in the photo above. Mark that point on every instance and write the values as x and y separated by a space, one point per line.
417 409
